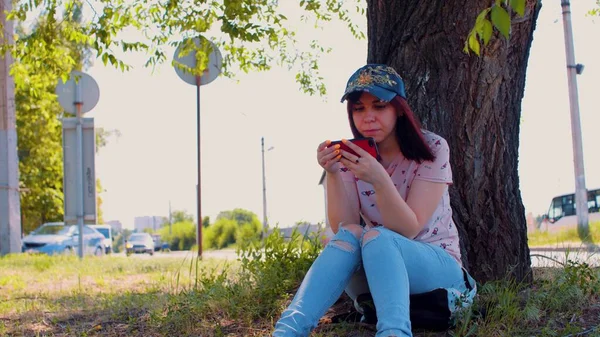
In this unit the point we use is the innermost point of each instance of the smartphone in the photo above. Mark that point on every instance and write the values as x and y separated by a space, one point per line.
368 144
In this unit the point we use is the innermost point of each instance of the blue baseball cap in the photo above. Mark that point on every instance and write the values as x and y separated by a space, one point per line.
379 80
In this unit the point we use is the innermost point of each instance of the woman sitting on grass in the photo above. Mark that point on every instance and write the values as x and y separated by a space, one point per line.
407 242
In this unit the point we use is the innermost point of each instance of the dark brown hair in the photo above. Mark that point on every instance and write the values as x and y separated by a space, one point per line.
408 129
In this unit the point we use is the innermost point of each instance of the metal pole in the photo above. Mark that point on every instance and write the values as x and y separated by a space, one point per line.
199 189
264 187
170 219
78 105
572 70
10 216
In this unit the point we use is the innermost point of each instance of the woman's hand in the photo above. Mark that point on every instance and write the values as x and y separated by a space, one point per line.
364 166
329 157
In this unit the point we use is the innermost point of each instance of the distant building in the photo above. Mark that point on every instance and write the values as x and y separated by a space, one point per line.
305 229
148 222
115 225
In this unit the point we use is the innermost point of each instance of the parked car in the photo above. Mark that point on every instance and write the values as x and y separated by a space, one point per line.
139 243
58 238
106 230
157 242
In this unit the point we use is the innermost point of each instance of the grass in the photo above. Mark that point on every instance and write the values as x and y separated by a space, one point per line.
120 296
570 236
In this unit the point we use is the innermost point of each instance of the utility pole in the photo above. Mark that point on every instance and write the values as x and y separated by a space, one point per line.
170 219
10 204
572 71
264 186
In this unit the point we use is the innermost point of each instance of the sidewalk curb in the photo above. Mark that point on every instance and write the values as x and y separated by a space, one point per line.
590 249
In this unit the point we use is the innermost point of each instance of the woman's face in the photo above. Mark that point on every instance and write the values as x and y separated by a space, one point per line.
374 118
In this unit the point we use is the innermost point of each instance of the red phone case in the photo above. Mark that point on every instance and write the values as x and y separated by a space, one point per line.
368 144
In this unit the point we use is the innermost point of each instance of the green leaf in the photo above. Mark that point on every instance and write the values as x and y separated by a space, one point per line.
474 44
482 16
486 32
518 6
501 20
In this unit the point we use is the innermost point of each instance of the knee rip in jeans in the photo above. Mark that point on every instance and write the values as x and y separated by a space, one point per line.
346 246
370 236
356 230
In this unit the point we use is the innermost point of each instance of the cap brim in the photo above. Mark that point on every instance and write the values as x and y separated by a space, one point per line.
381 93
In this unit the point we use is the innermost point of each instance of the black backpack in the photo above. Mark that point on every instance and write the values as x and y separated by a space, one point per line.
429 311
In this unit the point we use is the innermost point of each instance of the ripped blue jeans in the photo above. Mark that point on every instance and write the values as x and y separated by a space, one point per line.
395 267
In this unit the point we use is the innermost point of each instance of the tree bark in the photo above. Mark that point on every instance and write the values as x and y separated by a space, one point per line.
475 103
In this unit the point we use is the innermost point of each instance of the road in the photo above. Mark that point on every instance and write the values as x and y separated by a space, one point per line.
540 257
223 254
552 257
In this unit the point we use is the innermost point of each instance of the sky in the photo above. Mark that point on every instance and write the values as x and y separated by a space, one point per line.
153 163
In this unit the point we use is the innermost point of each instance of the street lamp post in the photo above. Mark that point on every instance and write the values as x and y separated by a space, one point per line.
572 71
264 183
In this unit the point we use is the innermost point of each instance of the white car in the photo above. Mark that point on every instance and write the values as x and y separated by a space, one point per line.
106 230
139 243
57 238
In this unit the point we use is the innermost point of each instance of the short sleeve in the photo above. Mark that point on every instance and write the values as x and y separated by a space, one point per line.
438 170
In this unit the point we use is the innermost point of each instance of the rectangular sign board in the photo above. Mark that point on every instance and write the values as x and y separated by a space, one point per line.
70 170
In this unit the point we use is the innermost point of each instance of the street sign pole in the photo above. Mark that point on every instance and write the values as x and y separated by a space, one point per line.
211 71
78 104
198 189
78 95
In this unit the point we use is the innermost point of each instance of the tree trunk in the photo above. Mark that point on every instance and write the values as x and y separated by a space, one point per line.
475 103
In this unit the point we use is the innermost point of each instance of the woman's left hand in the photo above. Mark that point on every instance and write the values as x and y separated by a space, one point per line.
364 166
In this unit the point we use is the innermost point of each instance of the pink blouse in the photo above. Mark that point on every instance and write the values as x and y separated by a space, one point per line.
440 229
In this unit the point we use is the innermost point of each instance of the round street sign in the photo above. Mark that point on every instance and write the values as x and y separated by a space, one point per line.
90 93
215 62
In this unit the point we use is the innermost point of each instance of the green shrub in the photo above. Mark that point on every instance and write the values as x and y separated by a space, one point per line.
220 234
274 268
232 227
269 273
248 233
182 237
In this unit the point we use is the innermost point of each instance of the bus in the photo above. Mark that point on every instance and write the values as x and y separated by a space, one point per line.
562 213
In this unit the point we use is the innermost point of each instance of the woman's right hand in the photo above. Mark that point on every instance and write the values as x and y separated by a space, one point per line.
329 157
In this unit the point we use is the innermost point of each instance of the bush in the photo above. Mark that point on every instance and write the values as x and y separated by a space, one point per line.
269 274
232 227
248 233
182 237
220 234
274 268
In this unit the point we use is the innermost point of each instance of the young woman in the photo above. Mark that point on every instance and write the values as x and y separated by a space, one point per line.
407 242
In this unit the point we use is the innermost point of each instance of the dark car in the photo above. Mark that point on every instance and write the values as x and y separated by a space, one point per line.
139 243
58 238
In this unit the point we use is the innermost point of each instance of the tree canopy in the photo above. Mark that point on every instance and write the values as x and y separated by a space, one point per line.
253 35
